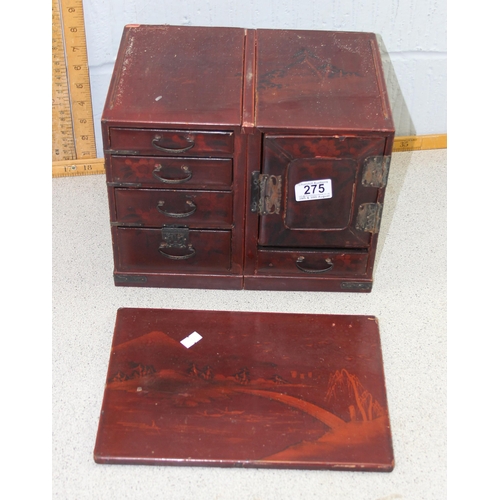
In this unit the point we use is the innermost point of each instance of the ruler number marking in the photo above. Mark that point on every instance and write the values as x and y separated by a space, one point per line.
74 126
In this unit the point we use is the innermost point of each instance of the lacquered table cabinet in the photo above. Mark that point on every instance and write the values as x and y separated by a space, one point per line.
250 159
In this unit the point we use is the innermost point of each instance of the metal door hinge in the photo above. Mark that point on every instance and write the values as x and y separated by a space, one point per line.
376 171
266 193
369 217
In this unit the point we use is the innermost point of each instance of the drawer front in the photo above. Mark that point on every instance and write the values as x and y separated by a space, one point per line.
170 142
312 263
178 173
158 251
157 207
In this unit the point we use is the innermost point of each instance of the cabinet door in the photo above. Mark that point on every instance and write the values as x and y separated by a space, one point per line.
317 191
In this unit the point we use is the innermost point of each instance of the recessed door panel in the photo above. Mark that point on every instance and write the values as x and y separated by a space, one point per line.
319 191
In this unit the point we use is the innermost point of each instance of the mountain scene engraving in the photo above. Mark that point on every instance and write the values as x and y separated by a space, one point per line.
304 65
185 403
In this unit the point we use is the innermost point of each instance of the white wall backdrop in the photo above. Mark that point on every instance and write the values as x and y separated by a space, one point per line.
412 34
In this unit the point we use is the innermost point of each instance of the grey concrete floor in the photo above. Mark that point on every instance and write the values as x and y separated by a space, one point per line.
408 297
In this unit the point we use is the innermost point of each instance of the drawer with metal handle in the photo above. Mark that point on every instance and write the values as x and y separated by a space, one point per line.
165 142
178 173
157 207
312 263
173 248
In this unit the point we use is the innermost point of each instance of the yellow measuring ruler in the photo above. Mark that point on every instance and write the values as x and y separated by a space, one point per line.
73 139
420 142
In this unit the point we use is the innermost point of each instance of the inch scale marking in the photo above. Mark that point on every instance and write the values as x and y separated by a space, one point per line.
63 146
419 142
73 138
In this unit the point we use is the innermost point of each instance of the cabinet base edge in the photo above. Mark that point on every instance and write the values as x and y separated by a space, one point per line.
273 283
179 281
301 284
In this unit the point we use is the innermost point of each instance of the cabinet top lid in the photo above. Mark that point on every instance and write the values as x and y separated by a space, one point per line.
320 80
214 77
177 75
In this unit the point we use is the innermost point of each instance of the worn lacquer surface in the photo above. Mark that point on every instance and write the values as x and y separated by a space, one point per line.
258 389
206 92
320 80
196 117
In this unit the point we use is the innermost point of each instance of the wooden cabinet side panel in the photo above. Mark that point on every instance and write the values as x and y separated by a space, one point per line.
239 204
374 244
253 158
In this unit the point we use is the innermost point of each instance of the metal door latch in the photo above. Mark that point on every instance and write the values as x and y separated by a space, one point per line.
176 238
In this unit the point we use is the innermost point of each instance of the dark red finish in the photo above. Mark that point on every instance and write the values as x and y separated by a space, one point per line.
157 207
320 80
258 390
319 223
140 250
193 114
177 75
170 142
178 173
283 262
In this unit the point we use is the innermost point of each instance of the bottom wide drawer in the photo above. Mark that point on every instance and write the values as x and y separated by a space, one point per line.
312 263
171 249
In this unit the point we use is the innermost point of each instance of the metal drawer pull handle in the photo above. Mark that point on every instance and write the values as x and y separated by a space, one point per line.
158 138
185 168
189 203
164 245
304 270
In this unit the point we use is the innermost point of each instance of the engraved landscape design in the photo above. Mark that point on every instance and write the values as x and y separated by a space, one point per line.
307 65
262 392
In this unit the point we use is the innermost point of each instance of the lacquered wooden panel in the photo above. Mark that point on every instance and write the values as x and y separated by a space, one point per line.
178 74
179 280
322 222
256 390
320 80
309 283
178 173
320 146
306 263
157 207
140 250
328 214
163 142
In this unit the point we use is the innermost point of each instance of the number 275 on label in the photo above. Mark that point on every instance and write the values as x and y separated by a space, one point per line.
313 190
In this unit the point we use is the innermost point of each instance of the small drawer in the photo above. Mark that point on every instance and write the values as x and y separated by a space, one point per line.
132 141
171 249
178 173
312 263
157 207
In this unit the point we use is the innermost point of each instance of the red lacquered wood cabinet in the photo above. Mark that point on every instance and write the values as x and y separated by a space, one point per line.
250 159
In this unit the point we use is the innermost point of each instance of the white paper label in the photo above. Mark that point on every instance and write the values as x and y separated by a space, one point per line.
313 190
191 340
